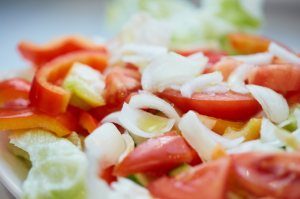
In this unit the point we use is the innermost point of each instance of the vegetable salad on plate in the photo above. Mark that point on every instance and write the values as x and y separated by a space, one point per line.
157 112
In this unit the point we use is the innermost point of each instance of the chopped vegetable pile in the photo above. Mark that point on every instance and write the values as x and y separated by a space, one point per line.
136 117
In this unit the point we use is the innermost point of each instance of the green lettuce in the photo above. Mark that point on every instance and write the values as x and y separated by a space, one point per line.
58 166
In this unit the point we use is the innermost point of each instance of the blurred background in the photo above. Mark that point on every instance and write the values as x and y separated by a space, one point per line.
42 20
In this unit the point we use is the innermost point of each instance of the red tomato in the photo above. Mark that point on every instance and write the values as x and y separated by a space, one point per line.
208 180
280 77
226 66
120 82
228 106
268 174
107 175
165 151
87 121
293 97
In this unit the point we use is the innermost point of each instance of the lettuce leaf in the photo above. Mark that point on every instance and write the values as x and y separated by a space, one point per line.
58 166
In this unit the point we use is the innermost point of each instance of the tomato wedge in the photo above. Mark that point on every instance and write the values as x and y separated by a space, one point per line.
213 56
166 151
53 99
228 106
208 180
280 77
226 66
268 174
41 54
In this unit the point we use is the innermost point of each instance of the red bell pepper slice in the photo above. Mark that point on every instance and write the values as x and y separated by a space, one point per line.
41 54
45 93
12 89
30 117
87 121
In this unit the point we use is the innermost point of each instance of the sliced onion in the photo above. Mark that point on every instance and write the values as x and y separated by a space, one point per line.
267 133
175 81
170 66
254 145
283 53
108 141
275 106
153 102
256 59
209 123
200 82
202 139
236 80
129 117
112 118
219 88
129 145
196 56
195 134
297 114
127 189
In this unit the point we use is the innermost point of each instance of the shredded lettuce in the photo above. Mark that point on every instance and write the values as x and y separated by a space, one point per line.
58 166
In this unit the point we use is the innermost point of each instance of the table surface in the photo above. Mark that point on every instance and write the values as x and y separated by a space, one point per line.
42 20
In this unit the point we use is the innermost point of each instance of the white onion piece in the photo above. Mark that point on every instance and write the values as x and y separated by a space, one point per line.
177 81
256 59
283 53
196 135
200 82
202 139
170 66
275 106
138 54
151 101
236 80
215 89
175 87
284 123
196 56
129 145
267 133
108 141
254 145
112 118
209 123
127 189
129 117
261 114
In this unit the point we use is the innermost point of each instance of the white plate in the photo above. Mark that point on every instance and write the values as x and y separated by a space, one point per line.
12 170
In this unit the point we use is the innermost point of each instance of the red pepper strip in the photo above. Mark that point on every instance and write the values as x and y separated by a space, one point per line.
12 89
26 118
107 175
87 121
45 94
41 54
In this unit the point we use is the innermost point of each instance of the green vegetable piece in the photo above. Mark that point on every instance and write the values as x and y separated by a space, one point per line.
180 169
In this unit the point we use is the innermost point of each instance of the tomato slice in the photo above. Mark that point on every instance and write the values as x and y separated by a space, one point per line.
41 54
165 151
120 82
226 66
280 77
228 106
268 174
208 180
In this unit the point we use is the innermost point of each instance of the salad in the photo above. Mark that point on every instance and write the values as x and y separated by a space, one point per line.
145 116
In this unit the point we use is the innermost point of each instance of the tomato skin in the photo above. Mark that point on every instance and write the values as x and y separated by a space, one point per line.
280 77
268 174
164 151
228 106
208 180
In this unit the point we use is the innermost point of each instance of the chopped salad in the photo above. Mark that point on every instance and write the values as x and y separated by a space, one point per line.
136 118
